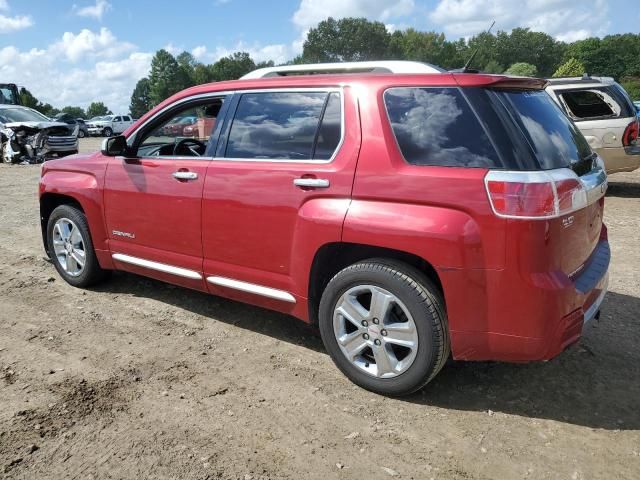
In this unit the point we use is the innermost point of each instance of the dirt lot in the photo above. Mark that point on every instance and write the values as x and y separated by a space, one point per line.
138 379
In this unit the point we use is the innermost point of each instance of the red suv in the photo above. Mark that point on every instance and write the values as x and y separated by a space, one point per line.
411 213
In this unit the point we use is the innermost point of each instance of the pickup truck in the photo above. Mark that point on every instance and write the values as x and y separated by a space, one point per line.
9 94
109 125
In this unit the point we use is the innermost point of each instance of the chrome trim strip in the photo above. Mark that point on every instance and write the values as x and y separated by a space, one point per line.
252 288
160 267
595 306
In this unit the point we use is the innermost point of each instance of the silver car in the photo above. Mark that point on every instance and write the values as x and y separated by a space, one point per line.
605 115
26 135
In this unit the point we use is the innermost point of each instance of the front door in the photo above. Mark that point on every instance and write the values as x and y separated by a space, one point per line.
153 202
278 188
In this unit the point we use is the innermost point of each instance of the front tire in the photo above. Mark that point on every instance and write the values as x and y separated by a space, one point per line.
384 325
107 132
71 249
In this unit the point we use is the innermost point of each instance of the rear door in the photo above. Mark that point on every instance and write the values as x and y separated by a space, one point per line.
278 188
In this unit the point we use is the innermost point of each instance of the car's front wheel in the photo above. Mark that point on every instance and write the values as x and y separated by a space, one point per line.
71 248
384 324
81 134
107 132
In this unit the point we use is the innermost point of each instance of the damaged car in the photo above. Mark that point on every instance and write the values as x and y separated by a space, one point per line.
27 136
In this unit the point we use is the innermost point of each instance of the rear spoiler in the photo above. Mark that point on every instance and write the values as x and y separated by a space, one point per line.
500 81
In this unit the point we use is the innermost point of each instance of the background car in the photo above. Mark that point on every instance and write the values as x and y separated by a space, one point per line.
26 135
176 129
83 131
637 104
605 115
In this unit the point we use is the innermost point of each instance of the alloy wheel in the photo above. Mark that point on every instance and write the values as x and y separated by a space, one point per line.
69 247
375 331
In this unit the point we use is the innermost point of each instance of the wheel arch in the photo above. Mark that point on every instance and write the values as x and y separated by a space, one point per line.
333 257
48 203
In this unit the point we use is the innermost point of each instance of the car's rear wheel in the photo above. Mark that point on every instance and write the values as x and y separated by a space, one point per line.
107 132
71 248
384 324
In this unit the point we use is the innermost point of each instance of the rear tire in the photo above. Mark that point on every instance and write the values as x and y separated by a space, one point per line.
71 248
399 352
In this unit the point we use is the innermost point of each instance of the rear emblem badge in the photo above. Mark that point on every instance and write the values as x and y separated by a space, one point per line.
567 221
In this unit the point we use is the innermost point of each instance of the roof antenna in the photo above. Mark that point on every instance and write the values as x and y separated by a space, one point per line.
466 68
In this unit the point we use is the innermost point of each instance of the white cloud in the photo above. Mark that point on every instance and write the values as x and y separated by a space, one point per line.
311 12
279 53
564 19
91 44
96 11
10 24
66 74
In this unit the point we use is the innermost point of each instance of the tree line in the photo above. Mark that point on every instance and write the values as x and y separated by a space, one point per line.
95 109
518 52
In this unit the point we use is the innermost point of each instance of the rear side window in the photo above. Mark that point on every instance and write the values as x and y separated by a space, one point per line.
127 119
554 139
436 126
284 125
597 103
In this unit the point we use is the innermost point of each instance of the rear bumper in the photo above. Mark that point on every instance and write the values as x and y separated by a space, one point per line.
620 159
528 321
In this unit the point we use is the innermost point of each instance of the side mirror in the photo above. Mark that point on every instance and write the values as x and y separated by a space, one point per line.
114 146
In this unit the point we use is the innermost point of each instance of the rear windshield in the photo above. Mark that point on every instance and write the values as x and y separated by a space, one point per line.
554 139
609 101
485 128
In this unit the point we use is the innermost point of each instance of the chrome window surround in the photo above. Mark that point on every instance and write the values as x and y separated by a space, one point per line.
227 93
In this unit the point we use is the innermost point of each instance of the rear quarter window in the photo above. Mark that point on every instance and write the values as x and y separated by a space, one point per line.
436 126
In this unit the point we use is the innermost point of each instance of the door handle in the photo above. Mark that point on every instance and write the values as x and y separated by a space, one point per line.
311 182
179 175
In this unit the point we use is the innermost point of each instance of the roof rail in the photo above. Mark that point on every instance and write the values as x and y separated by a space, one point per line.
387 66
583 79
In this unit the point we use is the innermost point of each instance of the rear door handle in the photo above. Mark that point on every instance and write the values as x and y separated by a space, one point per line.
179 175
311 182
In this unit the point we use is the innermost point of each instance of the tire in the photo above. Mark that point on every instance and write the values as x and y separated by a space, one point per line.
107 132
76 224
81 134
416 316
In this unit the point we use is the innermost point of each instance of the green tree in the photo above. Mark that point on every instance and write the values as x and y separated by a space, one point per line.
632 86
186 64
96 109
571 68
232 67
522 69
75 112
493 67
164 79
140 100
525 46
27 99
346 40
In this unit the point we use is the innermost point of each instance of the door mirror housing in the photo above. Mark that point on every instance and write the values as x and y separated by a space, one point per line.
115 146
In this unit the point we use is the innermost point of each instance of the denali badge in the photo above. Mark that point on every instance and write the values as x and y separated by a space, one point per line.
567 221
123 234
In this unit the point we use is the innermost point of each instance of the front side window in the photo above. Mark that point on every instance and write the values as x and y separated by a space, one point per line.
284 125
117 119
436 126
185 132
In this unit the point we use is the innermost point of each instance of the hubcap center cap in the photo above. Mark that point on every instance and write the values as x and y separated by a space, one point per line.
69 247
374 331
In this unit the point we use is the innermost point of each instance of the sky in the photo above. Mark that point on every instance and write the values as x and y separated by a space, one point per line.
76 52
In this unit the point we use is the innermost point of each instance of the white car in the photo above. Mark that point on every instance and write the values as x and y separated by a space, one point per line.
109 125
605 115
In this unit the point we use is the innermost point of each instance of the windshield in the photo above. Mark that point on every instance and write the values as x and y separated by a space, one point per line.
8 115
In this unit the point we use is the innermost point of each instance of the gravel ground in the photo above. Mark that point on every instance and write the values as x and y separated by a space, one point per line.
138 379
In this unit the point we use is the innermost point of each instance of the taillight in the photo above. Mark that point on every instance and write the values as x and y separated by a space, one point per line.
535 195
630 135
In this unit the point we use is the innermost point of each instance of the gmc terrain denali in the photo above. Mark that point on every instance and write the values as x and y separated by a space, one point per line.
411 213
